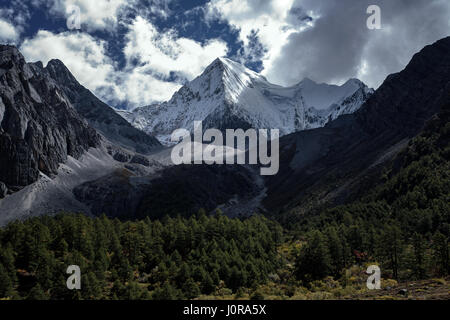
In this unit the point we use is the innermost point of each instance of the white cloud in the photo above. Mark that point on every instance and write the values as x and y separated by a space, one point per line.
141 88
8 34
81 53
164 53
86 58
339 46
336 45
271 20
159 55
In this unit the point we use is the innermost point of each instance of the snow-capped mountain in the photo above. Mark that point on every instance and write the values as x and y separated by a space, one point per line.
229 96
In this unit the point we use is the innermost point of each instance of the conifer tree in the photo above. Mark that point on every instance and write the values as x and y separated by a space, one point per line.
191 289
166 292
441 253
335 249
390 247
5 283
313 262
36 293
418 266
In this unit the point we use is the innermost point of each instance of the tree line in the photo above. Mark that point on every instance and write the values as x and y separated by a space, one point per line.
175 258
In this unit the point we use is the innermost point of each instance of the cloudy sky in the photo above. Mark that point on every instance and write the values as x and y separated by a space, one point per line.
134 52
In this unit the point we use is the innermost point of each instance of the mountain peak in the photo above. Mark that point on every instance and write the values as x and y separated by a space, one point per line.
220 64
229 68
354 83
322 95
217 66
9 56
229 95
220 61
99 115
224 61
60 72
223 77
307 80
9 49
353 80
39 127
56 63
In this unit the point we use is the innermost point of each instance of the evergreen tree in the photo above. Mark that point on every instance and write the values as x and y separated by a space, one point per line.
36 293
208 285
191 289
133 291
5 283
390 247
91 288
8 261
117 290
184 274
419 256
257 295
166 292
441 253
336 251
237 278
313 262
124 269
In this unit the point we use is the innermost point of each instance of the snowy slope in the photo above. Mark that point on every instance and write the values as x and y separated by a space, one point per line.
228 95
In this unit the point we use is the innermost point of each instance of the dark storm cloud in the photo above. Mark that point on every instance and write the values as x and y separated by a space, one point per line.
340 46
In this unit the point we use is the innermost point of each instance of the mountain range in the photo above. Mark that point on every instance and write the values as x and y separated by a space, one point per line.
229 96
62 149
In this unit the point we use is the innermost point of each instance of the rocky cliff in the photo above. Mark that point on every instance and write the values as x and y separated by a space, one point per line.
39 127
98 114
330 164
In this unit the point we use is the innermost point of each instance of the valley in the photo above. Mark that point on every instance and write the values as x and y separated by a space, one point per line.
363 179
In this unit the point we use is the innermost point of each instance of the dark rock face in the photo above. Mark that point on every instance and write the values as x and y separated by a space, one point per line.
99 115
325 164
185 189
3 190
177 190
122 157
130 157
39 127
138 159
409 98
116 195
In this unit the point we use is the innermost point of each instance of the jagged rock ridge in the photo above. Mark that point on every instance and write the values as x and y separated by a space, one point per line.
99 115
39 127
